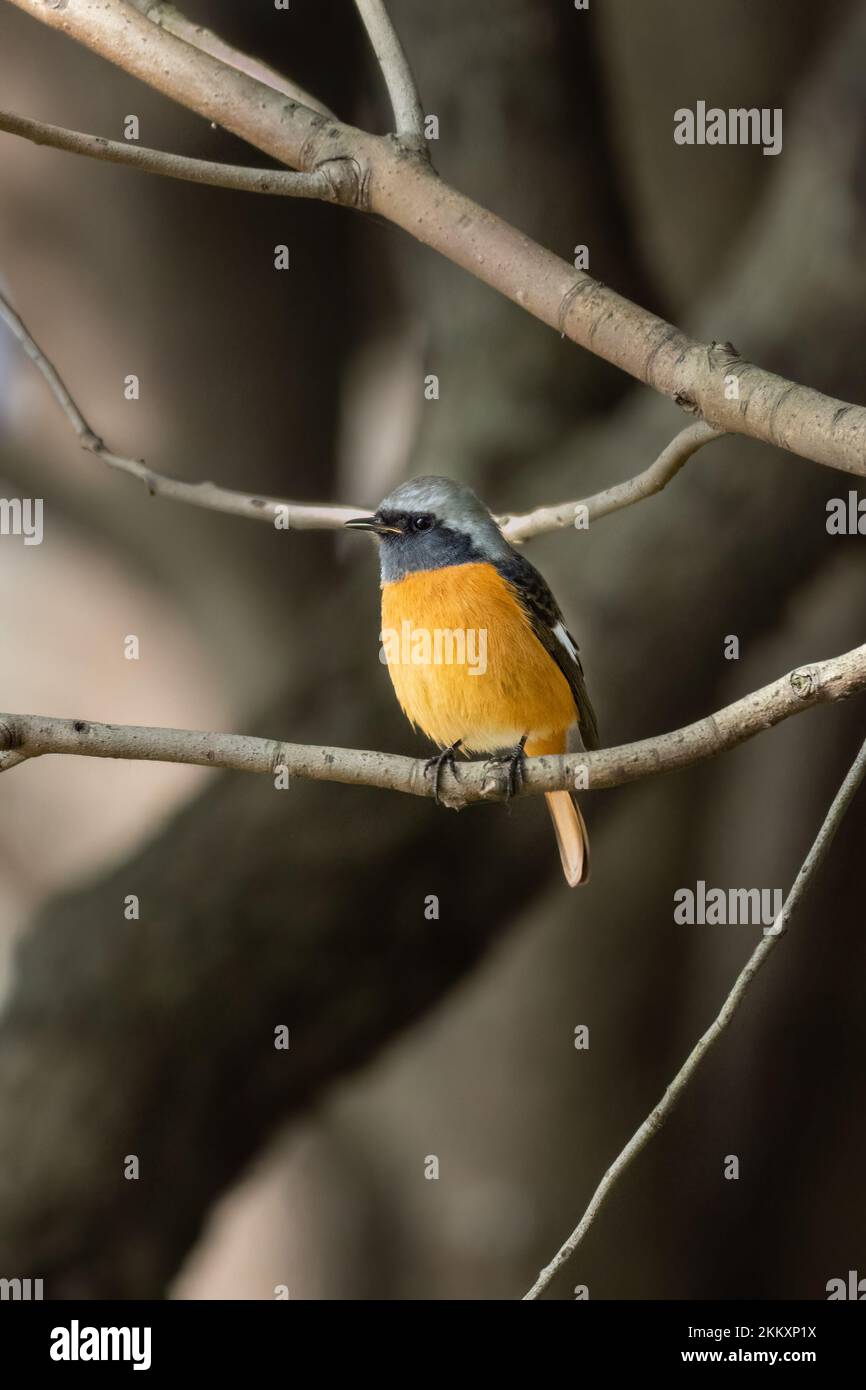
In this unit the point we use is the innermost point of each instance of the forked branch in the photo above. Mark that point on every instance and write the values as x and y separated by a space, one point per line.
301 516
709 381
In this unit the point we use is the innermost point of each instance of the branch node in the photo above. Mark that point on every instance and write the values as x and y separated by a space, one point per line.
581 283
412 146
804 682
10 737
347 183
725 353
496 785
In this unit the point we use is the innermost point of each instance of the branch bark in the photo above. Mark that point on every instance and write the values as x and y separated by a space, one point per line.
405 101
279 182
381 175
646 484
325 516
25 736
170 18
203 494
674 1093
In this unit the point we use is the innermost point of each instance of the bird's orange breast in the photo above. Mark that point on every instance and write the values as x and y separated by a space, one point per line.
466 664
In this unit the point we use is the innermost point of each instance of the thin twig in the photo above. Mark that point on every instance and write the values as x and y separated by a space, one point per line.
170 18
284 515
643 485
298 516
284 183
32 736
279 182
402 88
657 1117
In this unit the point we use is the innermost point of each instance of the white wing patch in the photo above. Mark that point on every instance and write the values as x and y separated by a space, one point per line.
560 633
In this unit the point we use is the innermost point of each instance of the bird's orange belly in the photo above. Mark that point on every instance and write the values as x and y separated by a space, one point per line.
466 664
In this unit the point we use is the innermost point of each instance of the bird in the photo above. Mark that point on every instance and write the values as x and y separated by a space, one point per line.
454 587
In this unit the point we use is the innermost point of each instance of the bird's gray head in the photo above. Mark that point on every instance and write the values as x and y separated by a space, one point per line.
429 523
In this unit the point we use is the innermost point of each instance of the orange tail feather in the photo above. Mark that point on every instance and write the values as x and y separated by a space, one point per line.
571 836
568 823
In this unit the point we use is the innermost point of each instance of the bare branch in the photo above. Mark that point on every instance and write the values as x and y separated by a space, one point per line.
657 1117
285 515
645 484
321 517
170 18
298 516
378 177
280 182
33 736
402 89
298 136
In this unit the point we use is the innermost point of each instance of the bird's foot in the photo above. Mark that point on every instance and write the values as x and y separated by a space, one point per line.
435 765
513 762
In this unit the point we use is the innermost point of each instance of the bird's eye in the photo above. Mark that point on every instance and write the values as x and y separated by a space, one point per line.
420 523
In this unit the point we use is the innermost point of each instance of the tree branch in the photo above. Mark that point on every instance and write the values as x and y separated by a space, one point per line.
219 91
382 176
204 494
645 484
320 517
32 736
402 89
170 18
657 1117
281 182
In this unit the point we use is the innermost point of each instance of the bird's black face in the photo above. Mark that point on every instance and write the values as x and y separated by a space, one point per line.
412 541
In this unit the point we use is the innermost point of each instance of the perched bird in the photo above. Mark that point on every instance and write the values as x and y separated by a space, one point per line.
476 646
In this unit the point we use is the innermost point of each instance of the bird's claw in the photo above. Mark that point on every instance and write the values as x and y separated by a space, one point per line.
513 761
435 765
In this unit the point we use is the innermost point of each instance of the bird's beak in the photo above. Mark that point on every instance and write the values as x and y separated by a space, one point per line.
369 523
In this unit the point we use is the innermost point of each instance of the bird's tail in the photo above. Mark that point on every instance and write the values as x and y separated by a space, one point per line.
568 823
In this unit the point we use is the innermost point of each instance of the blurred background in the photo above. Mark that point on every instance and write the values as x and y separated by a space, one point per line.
412 1037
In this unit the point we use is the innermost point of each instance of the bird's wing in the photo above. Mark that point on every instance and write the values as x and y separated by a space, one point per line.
549 627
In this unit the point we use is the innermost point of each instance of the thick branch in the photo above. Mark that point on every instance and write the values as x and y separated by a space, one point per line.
712 381
402 89
281 182
657 1117
282 126
32 736
170 18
